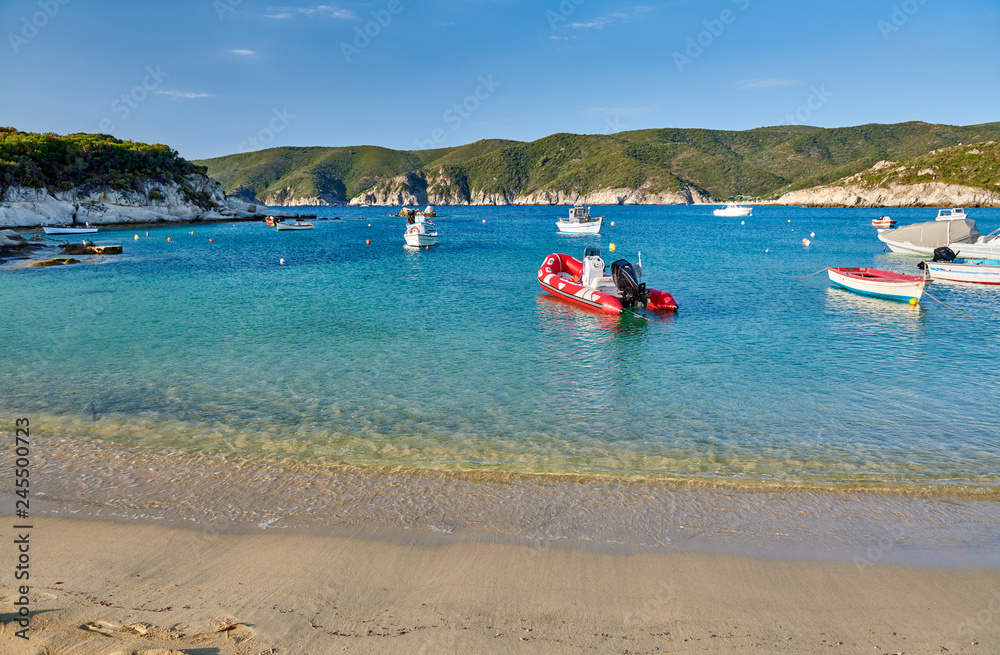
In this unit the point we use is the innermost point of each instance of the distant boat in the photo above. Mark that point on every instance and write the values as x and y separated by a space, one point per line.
298 225
69 229
580 222
951 214
880 284
420 231
733 209
883 223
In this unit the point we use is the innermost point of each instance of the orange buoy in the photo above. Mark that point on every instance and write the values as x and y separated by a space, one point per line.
170 238
368 242
210 240
612 223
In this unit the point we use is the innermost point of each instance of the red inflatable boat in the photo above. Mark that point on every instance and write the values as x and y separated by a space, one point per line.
585 283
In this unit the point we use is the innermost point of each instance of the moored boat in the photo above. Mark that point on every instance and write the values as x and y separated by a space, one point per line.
580 221
883 223
733 209
297 225
951 214
880 284
69 229
420 231
946 265
583 282
923 238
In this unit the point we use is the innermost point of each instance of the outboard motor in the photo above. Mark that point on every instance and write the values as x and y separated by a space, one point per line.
944 254
632 292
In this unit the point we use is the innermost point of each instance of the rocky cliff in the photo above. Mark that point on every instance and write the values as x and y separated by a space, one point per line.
417 189
197 197
928 194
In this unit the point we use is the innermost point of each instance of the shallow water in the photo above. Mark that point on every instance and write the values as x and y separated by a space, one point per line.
453 358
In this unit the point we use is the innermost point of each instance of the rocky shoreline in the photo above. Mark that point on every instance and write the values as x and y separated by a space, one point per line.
196 199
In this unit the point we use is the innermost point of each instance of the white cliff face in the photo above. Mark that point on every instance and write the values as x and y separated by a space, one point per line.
929 194
155 202
412 190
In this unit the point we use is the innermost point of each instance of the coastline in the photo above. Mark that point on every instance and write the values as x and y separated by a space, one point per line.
100 587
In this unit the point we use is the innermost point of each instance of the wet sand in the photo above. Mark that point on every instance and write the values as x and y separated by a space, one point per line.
101 587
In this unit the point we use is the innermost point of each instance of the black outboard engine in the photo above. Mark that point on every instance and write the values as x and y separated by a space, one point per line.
944 254
628 286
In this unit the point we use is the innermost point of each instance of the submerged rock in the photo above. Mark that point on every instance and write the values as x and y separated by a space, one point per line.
55 261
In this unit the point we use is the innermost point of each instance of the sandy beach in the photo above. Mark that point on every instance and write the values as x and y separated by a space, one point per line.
102 587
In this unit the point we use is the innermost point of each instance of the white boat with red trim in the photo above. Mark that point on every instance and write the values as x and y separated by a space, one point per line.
880 284
583 282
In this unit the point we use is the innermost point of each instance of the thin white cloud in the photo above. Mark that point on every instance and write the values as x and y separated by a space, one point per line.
324 11
768 83
184 94
239 51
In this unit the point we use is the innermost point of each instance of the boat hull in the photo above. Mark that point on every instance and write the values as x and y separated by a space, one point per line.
563 287
591 227
62 229
419 239
734 212
879 284
971 271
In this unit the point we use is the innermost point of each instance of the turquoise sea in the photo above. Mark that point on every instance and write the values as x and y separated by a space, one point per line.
453 359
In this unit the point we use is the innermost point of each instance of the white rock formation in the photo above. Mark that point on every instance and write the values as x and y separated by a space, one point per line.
929 194
30 207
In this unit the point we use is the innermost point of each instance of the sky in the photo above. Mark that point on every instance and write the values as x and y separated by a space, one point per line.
216 77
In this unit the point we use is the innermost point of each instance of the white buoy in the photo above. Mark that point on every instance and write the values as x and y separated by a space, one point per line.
743 222
137 237
281 261
812 234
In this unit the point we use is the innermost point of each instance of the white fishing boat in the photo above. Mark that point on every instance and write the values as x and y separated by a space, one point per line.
880 284
977 271
297 225
951 214
883 223
69 229
733 209
420 231
580 222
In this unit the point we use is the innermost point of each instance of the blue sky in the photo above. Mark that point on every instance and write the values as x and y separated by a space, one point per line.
213 77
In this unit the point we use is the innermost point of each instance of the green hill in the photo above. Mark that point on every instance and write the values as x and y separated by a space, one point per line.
974 165
763 162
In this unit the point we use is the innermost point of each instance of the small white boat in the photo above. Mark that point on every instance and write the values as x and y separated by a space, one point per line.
977 271
733 209
69 229
951 214
880 284
297 225
420 231
580 222
883 223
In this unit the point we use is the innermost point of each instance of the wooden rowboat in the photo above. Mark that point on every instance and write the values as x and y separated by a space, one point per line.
880 284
